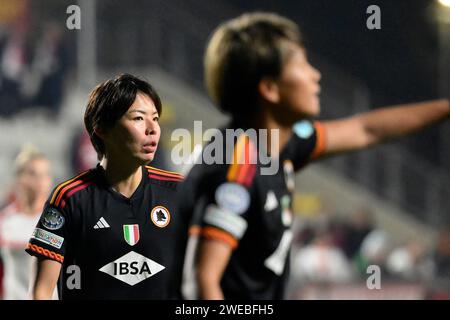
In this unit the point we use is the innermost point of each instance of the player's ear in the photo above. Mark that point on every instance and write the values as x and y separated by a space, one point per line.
268 90
100 132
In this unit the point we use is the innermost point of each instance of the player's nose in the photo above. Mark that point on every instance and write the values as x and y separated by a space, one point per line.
316 74
151 128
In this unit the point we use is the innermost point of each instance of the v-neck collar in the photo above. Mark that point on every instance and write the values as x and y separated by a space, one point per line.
137 194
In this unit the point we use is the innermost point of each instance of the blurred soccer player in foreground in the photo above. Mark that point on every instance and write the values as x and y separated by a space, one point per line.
257 70
112 232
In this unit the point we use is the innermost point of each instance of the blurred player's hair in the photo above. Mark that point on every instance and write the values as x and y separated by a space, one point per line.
27 154
109 101
240 53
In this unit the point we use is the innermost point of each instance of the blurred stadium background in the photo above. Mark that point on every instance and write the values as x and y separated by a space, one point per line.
388 206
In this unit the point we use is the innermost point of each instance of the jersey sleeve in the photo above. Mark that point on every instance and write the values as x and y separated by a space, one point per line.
227 196
307 143
56 224
49 238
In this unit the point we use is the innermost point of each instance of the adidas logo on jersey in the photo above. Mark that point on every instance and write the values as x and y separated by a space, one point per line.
271 201
101 224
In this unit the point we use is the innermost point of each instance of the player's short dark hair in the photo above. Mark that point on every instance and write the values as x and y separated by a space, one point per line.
240 53
110 100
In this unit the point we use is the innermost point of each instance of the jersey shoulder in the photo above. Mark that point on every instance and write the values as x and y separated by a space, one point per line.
238 164
169 179
68 188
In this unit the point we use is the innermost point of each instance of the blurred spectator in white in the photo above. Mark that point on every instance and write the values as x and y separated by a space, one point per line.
410 262
321 261
374 250
19 218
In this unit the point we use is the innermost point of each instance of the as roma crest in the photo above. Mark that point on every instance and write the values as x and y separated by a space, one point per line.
160 216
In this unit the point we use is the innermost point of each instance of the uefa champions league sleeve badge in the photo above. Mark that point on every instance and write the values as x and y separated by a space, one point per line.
52 219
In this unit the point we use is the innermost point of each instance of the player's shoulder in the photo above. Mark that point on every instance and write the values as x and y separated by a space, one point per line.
243 165
68 188
164 177
237 163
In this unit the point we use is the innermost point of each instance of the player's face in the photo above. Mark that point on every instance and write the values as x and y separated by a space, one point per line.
136 134
299 84
35 179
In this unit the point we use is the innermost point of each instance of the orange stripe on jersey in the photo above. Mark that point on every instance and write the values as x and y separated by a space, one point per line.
165 178
219 235
232 171
72 191
249 178
64 190
246 171
64 184
45 252
321 135
164 172
243 173
244 162
237 154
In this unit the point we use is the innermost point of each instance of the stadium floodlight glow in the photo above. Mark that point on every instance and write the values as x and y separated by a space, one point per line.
445 3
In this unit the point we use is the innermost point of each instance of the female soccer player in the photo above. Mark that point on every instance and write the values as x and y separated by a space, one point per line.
19 217
257 70
112 232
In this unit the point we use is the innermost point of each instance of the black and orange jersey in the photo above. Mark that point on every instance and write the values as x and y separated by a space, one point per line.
111 246
241 205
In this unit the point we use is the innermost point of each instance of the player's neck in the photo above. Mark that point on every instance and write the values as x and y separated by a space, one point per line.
122 179
265 120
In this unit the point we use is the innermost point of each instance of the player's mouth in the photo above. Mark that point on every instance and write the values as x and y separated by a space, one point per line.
317 94
150 147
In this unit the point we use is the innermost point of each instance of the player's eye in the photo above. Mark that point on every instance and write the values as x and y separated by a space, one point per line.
138 118
156 119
